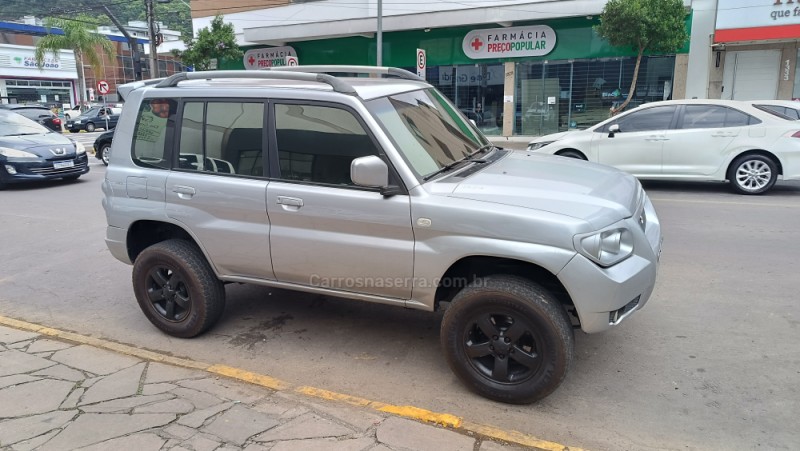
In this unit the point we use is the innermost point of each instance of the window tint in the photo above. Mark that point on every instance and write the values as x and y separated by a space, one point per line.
648 119
223 137
714 116
318 143
34 113
156 118
780 111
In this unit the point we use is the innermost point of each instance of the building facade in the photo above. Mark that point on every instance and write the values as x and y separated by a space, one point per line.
56 84
516 68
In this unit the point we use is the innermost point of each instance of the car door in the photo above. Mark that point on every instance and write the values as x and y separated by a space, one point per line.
637 146
699 143
326 231
217 188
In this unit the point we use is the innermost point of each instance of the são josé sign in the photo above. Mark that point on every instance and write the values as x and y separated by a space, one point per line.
512 42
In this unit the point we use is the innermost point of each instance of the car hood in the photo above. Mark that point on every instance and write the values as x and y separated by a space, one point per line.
48 145
598 194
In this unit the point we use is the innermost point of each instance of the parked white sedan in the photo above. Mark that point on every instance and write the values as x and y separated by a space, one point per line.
690 140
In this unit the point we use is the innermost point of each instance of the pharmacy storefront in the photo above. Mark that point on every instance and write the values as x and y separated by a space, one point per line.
21 81
558 74
755 50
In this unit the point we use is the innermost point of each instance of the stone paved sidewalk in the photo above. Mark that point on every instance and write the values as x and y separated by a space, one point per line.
56 395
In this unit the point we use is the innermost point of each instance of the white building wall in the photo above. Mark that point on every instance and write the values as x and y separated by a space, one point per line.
701 58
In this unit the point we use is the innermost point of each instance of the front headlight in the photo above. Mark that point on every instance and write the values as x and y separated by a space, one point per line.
537 146
80 149
606 248
15 153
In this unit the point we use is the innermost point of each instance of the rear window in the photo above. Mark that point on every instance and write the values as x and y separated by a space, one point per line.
155 125
33 113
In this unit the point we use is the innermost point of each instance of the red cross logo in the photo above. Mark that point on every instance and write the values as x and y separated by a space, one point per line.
251 60
477 44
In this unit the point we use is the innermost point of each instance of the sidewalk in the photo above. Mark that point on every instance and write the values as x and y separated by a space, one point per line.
66 395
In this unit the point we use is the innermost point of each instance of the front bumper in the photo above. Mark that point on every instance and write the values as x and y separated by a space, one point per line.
603 297
31 171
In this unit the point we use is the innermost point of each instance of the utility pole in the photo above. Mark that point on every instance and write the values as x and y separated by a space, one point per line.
136 57
380 33
151 26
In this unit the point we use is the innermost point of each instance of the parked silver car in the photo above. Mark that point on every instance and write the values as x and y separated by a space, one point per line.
380 190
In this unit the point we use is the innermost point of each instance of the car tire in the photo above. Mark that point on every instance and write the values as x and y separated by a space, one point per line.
105 149
572 154
753 174
176 288
507 339
89 127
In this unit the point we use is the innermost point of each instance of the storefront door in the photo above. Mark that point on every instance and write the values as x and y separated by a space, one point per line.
751 75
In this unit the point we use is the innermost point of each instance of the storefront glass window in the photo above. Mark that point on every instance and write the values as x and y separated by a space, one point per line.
562 95
475 89
796 90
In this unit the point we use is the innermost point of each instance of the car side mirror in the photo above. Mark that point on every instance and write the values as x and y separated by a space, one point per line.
370 172
614 129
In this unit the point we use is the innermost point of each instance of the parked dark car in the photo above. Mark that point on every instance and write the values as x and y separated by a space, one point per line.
31 152
94 118
102 146
39 113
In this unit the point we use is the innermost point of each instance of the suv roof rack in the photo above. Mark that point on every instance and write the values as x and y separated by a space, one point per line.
337 85
372 70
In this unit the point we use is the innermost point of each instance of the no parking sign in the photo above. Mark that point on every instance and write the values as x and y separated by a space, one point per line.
421 62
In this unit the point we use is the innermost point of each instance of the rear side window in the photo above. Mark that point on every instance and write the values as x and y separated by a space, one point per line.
222 138
34 113
715 116
155 122
317 143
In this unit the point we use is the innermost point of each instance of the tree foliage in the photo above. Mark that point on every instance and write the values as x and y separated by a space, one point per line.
218 41
175 15
653 26
79 36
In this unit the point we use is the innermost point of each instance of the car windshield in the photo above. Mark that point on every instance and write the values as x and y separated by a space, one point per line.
426 129
13 124
91 112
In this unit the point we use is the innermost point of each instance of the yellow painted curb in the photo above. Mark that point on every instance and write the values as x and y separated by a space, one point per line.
414 413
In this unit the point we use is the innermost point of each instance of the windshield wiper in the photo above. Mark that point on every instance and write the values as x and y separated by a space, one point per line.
23 134
469 157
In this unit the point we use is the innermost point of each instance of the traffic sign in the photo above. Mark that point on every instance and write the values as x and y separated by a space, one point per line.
421 62
102 87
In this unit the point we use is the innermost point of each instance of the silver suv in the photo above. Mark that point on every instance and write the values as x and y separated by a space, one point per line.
377 189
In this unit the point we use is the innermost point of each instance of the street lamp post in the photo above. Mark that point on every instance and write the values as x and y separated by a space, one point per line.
380 33
151 27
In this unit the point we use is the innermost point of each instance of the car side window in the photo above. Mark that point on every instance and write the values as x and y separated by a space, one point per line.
714 116
154 123
648 119
318 143
222 138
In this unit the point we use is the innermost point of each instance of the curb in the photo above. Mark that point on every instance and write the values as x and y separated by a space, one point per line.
414 413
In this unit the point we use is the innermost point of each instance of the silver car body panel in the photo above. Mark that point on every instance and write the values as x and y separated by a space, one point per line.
359 244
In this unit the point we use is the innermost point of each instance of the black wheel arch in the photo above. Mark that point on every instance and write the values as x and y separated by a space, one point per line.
571 150
145 233
467 269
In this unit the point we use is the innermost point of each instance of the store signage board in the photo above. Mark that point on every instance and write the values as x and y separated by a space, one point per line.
267 57
756 20
512 42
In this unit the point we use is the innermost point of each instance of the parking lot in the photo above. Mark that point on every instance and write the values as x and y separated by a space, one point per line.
710 363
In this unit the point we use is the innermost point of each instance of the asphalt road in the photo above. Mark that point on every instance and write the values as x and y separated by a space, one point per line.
712 362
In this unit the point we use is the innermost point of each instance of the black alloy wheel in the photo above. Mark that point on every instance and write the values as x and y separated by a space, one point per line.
168 293
176 288
507 339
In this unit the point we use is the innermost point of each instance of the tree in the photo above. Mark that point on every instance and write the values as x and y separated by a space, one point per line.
79 36
217 42
653 26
